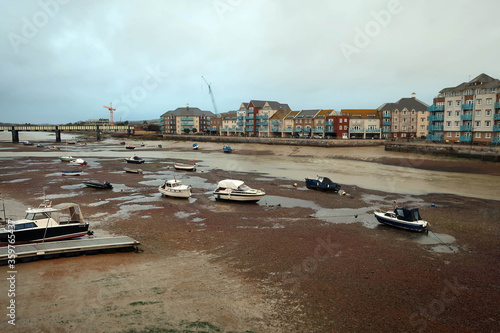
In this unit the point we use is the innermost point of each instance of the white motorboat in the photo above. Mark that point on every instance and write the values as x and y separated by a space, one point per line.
236 190
46 223
78 161
175 188
403 217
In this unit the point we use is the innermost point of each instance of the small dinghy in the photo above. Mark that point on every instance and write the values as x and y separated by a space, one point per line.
133 170
186 167
71 172
97 184
227 149
78 161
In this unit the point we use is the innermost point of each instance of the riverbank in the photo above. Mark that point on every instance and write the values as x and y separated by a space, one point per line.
299 261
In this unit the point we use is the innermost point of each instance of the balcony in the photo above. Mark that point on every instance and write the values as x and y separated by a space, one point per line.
357 130
249 117
434 107
240 117
275 129
497 105
467 106
496 116
240 123
495 139
466 128
275 122
465 138
496 128
434 137
373 130
435 128
435 117
466 117
386 115
262 117
386 122
297 130
329 123
386 130
249 129
262 123
187 118
329 130
287 129
317 130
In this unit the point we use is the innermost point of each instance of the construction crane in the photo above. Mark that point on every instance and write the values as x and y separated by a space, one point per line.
110 108
211 94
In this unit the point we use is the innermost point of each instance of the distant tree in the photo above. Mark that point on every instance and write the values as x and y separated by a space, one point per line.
186 130
153 127
195 130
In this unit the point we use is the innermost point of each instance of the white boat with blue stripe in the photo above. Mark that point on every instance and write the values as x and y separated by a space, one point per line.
403 217
236 190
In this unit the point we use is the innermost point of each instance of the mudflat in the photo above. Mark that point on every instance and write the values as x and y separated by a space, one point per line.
297 261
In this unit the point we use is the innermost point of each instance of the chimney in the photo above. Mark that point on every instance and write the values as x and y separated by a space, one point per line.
413 95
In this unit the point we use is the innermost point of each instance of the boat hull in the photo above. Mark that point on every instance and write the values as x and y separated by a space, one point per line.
394 222
175 193
135 161
238 196
98 185
315 184
185 167
40 234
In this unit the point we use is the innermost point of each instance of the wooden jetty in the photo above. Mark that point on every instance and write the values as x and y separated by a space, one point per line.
68 248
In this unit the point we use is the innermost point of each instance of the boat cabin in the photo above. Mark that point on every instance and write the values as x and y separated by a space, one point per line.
407 214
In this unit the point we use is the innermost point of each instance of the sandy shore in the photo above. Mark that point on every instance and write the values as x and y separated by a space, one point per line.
311 262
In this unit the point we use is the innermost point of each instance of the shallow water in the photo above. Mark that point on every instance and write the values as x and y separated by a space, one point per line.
365 174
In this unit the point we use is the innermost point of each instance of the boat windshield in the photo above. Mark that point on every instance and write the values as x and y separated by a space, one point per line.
244 188
36 216
25 225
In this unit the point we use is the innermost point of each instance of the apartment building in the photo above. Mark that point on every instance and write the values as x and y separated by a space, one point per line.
186 119
253 117
407 118
469 112
363 123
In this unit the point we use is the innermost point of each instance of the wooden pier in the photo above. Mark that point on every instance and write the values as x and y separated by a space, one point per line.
67 248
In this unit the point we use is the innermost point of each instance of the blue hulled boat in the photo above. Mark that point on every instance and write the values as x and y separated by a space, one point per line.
227 149
322 184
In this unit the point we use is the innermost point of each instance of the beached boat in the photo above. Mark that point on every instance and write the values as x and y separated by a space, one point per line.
236 190
403 217
195 146
97 184
227 149
46 223
322 184
175 188
40 145
186 167
129 147
132 170
135 160
66 158
78 161
71 172
27 143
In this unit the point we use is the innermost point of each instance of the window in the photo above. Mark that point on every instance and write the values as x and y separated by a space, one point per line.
396 127
422 127
422 120
448 134
404 112
487 135
457 135
340 128
488 112
404 128
487 123
457 123
478 102
457 113
403 135
458 103
478 135
488 101
448 124
396 119
340 121
478 112
404 120
478 123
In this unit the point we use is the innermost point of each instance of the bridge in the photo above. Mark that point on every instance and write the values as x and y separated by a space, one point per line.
98 129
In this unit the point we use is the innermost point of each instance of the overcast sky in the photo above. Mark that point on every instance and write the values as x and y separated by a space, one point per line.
62 60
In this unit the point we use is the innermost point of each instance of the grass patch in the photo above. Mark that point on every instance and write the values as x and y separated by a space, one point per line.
142 303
